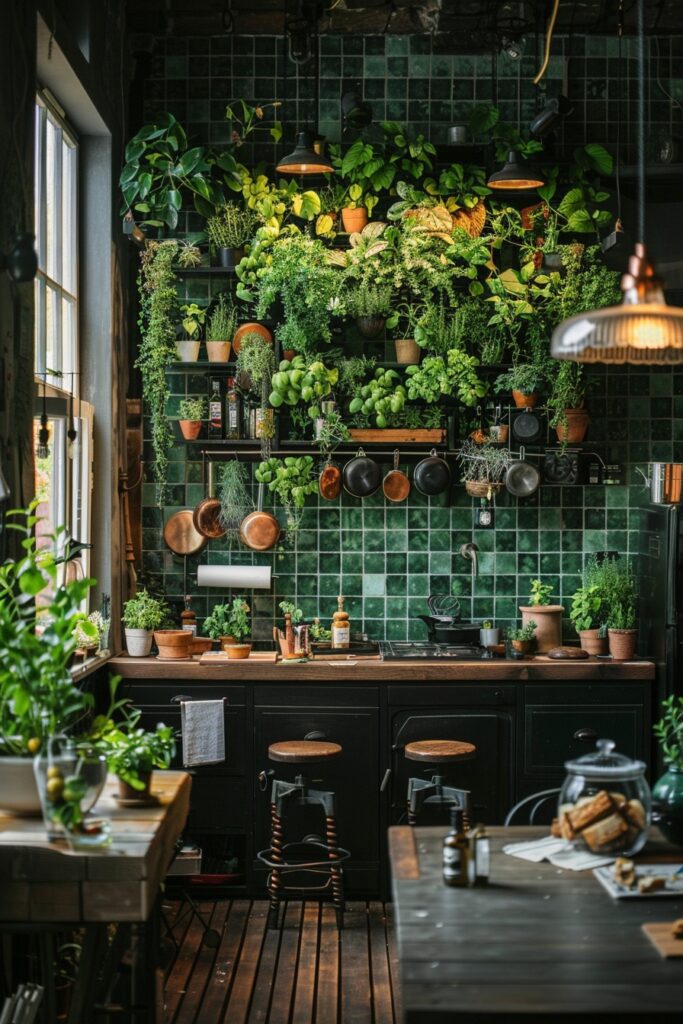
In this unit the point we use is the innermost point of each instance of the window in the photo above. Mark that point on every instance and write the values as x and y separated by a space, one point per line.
63 475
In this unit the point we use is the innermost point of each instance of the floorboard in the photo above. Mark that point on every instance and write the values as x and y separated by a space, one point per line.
302 972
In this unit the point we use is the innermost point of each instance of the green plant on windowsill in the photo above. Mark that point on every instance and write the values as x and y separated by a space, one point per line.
192 409
229 620
288 607
540 593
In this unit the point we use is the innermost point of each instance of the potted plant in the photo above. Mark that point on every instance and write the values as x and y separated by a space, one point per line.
230 624
488 635
142 614
189 255
292 480
524 381
366 172
296 616
132 753
440 378
369 304
38 698
192 324
566 401
404 318
521 639
87 636
220 329
254 371
192 412
620 598
228 229
483 468
549 616
667 793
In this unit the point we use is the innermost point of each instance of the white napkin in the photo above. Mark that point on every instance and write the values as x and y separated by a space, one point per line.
203 730
557 852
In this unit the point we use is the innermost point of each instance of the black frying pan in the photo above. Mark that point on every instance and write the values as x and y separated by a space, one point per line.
527 427
361 476
432 475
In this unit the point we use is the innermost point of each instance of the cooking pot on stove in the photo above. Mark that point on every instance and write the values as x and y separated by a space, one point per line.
444 625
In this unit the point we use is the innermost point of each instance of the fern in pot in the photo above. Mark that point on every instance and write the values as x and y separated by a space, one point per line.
566 401
620 587
228 230
192 413
221 328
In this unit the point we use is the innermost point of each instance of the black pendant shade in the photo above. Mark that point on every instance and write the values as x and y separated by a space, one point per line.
516 174
304 159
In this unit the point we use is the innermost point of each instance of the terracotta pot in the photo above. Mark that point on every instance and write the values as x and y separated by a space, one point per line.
521 646
200 644
188 351
354 219
218 351
225 641
288 353
407 351
622 643
592 642
576 426
238 650
524 401
173 644
498 433
127 792
190 429
548 619
370 326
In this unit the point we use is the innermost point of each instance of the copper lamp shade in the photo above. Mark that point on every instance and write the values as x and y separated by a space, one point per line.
517 175
304 159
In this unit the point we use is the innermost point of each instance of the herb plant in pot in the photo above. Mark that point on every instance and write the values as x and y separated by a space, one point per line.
404 319
483 468
667 793
488 635
192 324
220 329
192 413
230 624
38 698
566 400
228 229
525 381
370 304
585 614
132 753
620 598
142 614
522 639
549 616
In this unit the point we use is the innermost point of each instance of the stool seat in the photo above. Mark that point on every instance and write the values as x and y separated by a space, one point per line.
439 751
303 751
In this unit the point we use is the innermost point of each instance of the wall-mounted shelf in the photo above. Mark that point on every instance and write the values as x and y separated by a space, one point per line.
204 271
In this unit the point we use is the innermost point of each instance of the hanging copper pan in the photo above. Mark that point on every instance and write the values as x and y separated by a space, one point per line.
181 536
330 481
207 514
396 485
260 530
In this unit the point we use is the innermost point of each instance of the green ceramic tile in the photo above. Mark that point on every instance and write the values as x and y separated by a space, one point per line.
487 562
440 562
374 585
329 585
527 540
374 628
307 563
352 562
418 540
397 585
505 585
352 584
374 562
461 586
373 607
505 540
397 562
439 518
418 562
396 607
506 563
549 540
418 518
373 519
395 540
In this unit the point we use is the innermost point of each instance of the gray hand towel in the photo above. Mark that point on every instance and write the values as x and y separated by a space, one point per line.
203 732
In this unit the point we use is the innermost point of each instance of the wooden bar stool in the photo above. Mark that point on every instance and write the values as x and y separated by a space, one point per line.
310 854
434 791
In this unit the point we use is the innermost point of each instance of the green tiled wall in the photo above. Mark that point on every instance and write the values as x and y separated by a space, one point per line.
387 559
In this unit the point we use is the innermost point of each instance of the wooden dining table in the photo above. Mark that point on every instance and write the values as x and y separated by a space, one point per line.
47 888
538 942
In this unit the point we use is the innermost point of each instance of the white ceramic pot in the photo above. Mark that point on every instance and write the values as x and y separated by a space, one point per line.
188 351
138 642
489 637
18 787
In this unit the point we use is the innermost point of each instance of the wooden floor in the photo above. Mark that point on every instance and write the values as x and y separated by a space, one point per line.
304 972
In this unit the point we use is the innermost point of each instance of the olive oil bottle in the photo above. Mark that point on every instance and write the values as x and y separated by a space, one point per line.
341 628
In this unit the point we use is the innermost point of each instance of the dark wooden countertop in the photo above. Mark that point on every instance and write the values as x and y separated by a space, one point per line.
375 671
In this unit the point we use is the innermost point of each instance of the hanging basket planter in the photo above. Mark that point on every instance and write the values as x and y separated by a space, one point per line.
482 488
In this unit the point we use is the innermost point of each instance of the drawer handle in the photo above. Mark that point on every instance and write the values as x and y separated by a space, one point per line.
585 734
179 697
315 735
385 780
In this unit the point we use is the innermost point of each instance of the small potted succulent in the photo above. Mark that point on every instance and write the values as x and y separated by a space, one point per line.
192 413
489 636
228 229
521 639
142 614
192 324
549 627
220 329
230 625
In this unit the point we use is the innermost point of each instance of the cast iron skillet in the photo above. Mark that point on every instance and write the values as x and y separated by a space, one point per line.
361 476
432 475
522 478
527 427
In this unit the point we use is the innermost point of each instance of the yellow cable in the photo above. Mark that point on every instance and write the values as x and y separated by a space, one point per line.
548 41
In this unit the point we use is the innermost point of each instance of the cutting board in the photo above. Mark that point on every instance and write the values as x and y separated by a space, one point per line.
659 934
221 658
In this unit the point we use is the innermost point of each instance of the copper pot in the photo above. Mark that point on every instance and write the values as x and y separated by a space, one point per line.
260 530
181 536
207 515
330 481
396 485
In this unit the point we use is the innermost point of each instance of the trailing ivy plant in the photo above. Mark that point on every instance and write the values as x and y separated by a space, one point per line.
157 323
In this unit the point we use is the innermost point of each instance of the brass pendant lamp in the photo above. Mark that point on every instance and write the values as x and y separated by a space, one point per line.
642 329
303 159
516 175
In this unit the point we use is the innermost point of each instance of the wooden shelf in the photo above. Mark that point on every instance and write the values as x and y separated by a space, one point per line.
203 271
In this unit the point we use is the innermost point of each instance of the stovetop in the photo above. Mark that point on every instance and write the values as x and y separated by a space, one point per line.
402 650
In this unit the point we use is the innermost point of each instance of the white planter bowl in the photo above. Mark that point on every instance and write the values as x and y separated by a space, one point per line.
188 351
138 642
18 788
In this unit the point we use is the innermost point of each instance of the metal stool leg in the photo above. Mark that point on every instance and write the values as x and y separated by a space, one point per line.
274 878
335 870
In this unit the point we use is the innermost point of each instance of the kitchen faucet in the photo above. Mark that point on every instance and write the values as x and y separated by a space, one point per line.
469 551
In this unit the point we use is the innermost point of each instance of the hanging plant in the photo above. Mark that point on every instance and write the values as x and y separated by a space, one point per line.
157 323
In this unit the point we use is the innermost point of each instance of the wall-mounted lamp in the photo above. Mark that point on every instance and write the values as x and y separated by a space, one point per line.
21 262
552 115
516 175
303 159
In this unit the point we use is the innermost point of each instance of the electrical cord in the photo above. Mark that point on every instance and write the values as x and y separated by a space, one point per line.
548 42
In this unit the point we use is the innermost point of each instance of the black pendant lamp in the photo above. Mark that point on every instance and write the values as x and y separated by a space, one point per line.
642 328
516 175
304 159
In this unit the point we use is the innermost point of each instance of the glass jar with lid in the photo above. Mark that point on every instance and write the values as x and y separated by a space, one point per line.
605 803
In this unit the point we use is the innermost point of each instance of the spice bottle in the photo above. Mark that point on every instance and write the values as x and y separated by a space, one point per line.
188 617
341 628
455 852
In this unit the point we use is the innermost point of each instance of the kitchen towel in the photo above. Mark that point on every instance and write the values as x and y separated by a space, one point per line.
203 731
557 852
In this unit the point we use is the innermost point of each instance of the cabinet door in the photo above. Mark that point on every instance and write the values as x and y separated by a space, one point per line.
487 775
353 777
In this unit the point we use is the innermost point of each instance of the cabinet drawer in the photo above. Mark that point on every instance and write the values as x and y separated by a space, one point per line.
477 694
216 804
160 694
555 734
318 694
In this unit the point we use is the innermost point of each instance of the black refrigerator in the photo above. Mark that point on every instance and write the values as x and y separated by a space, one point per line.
660 599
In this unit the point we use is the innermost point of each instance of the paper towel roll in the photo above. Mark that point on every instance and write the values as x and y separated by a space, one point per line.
243 577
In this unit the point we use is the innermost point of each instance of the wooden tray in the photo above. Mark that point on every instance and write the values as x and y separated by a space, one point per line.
388 436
